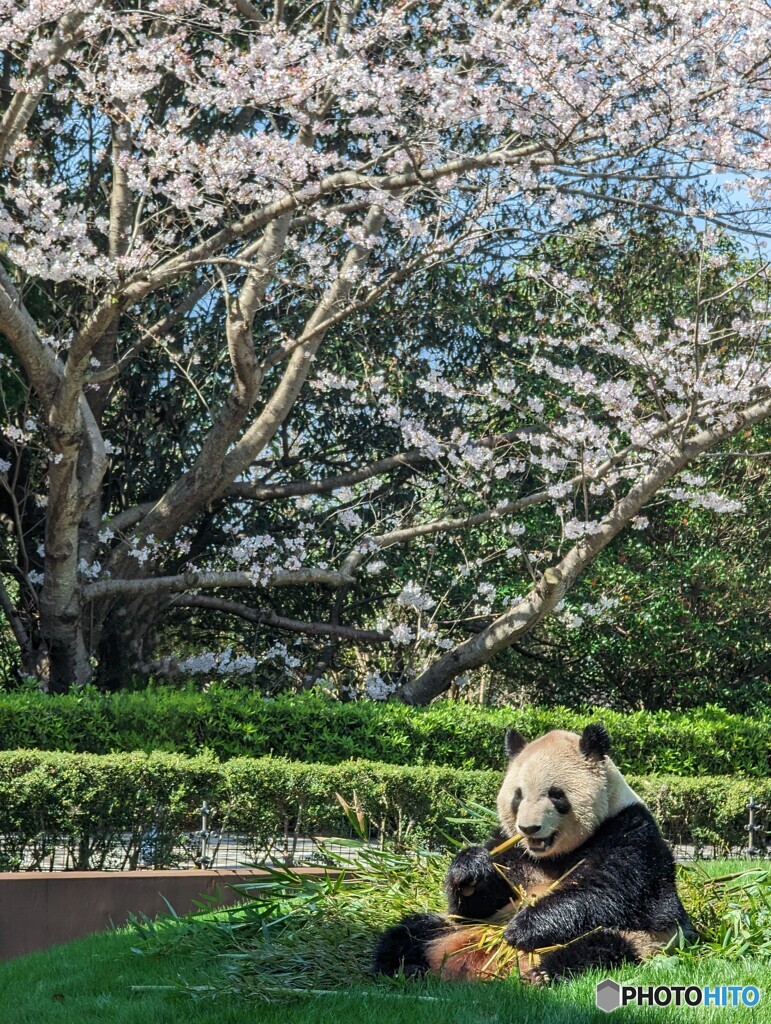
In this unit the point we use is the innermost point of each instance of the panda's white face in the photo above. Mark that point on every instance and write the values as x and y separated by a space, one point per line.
556 794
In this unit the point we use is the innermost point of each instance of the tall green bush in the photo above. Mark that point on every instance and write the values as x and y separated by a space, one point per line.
99 801
312 727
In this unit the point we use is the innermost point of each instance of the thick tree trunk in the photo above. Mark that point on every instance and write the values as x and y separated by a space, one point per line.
124 641
75 474
68 661
60 601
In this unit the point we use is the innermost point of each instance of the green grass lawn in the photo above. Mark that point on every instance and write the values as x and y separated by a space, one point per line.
94 982
101 980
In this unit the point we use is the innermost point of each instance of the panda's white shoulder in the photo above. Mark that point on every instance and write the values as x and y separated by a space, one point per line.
620 793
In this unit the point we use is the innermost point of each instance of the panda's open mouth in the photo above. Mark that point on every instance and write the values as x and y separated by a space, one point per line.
540 844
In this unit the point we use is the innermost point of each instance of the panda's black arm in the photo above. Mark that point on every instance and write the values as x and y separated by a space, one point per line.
626 885
475 888
567 913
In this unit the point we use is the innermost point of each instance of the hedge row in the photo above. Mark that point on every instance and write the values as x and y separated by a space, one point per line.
98 801
312 727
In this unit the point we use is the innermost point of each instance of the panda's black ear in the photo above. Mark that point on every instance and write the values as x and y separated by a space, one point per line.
513 743
595 742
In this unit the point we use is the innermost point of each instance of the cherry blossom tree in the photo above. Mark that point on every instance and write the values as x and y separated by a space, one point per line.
209 199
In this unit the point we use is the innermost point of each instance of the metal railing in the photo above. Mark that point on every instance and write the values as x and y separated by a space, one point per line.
204 845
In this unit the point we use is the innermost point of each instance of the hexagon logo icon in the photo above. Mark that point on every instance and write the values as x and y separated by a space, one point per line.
608 996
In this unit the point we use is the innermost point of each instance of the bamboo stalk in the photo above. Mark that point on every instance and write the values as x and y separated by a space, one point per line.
506 844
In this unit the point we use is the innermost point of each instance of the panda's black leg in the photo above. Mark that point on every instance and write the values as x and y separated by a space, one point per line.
602 948
403 946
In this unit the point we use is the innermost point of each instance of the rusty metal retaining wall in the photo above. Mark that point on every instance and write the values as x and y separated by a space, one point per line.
38 910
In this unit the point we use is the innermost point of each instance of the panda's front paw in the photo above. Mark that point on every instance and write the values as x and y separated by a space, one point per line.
469 870
522 931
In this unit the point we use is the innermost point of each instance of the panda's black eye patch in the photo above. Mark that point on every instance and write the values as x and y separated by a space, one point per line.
517 798
560 801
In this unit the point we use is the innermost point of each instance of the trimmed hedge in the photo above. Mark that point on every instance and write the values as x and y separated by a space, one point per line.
311 727
98 801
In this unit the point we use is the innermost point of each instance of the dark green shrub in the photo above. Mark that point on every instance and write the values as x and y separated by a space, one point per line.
98 800
95 804
311 727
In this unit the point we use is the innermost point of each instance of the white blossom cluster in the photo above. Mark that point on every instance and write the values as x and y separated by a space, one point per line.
706 499
262 555
412 595
223 663
600 611
376 688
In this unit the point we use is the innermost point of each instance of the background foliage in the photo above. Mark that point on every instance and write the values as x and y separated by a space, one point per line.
689 607
689 594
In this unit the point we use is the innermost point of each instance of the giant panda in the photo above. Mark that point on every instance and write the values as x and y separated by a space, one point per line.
591 883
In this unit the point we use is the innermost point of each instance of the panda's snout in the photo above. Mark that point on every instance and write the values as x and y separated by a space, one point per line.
529 830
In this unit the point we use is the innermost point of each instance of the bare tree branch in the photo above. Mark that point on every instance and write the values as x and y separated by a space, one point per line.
119 241
155 333
279 404
209 580
246 373
416 457
147 282
250 12
407 534
269 618
271 492
41 366
214 470
130 517
26 99
640 204
14 621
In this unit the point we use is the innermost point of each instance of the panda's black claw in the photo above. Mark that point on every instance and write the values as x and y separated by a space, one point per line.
413 972
537 977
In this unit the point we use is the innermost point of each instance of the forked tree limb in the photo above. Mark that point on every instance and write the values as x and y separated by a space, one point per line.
558 579
269 618
409 459
213 470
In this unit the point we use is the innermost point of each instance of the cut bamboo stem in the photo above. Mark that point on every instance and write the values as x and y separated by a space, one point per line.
506 844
